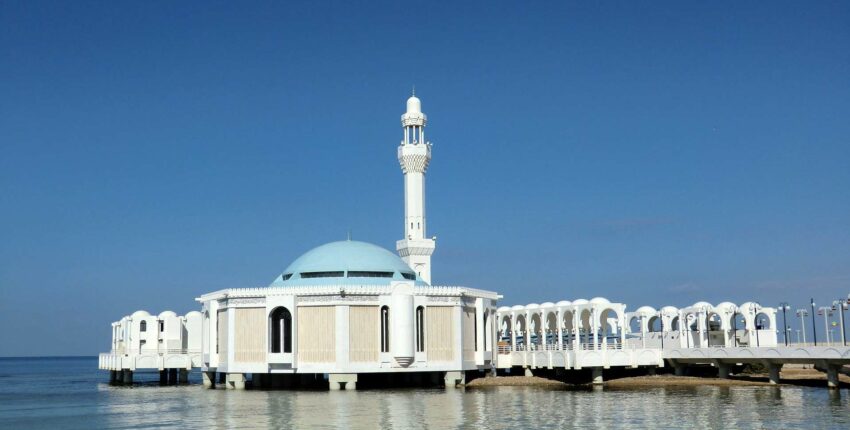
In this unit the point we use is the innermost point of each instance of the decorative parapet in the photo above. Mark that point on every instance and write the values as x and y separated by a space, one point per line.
339 290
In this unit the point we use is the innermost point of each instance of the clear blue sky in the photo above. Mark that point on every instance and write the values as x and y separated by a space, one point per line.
654 153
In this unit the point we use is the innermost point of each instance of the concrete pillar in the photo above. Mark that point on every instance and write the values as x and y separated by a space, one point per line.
597 376
342 381
209 379
172 376
455 378
528 372
236 381
113 377
652 371
222 378
183 377
128 377
163 377
773 372
832 376
680 369
723 371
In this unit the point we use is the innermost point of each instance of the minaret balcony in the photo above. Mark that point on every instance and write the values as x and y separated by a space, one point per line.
408 247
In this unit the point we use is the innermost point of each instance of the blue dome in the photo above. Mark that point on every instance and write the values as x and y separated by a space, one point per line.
346 262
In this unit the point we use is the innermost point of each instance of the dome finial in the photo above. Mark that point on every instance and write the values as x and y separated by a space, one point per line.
349 235
413 91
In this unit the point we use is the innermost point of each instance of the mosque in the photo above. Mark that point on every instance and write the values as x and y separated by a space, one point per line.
349 312
342 309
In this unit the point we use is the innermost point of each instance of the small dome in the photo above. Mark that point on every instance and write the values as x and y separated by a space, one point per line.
669 310
140 314
599 301
517 307
504 309
414 105
166 314
193 314
346 262
580 302
564 303
547 305
532 306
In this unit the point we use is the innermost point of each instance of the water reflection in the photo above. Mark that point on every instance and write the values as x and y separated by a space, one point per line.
56 397
500 407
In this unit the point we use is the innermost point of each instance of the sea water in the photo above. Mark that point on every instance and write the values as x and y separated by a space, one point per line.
70 393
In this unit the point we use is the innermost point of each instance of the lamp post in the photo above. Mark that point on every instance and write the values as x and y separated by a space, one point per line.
841 305
784 306
814 330
802 313
826 311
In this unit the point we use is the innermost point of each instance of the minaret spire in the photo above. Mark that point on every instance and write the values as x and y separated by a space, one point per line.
414 154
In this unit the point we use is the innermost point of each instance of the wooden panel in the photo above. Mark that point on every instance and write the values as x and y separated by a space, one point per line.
469 333
221 320
250 335
316 334
439 333
364 329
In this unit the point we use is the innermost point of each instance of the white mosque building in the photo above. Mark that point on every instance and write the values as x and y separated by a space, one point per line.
342 309
349 311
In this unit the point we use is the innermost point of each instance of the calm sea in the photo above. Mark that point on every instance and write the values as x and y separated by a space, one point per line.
70 393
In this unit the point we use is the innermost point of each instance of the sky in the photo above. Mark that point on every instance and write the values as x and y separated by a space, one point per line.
654 153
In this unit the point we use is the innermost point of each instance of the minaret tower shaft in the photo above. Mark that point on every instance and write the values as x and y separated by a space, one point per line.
414 154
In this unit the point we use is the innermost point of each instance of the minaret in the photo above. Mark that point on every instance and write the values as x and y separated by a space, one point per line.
414 153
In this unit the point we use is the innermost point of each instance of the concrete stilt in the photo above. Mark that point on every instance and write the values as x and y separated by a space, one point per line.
183 376
652 371
723 371
222 378
680 370
172 376
832 376
128 377
342 381
597 376
236 381
163 377
455 378
113 377
209 379
528 372
773 372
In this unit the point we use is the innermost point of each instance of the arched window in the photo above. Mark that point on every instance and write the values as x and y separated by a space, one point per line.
385 329
420 329
143 326
280 327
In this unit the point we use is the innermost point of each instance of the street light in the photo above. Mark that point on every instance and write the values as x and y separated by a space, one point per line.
841 305
784 306
826 311
814 329
802 313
